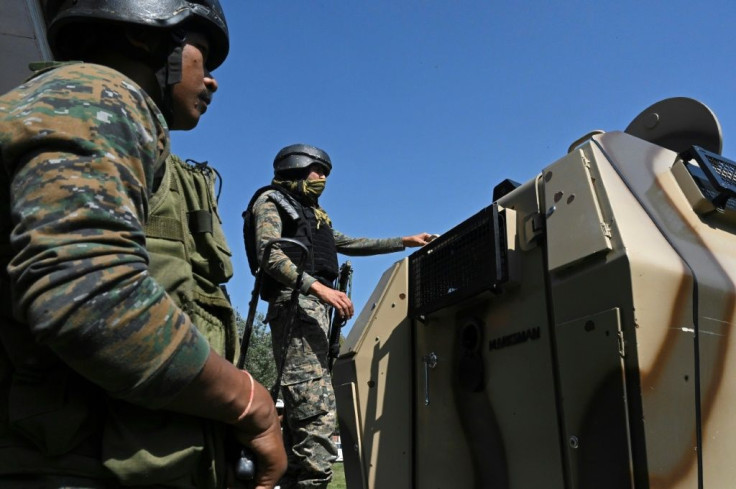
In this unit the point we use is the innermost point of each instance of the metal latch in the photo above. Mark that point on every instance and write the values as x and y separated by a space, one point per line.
430 361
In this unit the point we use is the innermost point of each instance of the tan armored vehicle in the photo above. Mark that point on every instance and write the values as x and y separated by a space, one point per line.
575 333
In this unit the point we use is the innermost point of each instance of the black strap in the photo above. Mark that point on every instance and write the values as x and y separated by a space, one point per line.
200 221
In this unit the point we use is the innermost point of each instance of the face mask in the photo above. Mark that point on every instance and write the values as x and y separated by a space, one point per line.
314 188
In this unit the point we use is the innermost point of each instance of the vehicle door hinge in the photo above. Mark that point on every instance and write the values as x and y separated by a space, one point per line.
606 228
621 344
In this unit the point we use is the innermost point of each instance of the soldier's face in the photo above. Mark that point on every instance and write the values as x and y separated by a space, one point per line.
193 93
316 172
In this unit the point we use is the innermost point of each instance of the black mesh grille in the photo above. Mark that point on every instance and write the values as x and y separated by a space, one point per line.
724 168
461 263
716 178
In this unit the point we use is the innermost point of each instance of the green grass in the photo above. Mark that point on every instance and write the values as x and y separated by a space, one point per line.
338 476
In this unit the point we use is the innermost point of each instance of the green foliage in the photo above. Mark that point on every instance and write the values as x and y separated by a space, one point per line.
259 362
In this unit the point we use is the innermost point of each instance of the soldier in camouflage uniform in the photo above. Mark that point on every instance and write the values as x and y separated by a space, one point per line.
96 359
289 208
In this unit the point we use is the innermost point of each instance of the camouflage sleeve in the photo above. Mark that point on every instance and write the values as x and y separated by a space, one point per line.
81 144
269 226
365 246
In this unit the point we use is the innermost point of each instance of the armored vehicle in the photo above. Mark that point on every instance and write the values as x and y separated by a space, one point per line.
574 333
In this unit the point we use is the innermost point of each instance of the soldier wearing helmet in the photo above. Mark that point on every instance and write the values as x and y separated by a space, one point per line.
289 207
104 380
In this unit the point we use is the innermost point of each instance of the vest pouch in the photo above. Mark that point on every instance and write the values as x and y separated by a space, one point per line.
145 447
213 329
53 409
210 254
212 259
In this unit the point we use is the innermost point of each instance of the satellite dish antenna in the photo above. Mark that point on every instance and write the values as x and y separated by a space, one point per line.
678 124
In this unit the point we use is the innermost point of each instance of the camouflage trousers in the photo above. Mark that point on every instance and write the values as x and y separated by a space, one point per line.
306 389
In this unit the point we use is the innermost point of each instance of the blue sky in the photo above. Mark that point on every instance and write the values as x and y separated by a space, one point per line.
425 105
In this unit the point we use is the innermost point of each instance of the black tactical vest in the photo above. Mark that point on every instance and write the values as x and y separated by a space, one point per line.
299 223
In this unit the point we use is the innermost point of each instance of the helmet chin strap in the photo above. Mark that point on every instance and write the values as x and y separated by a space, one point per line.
170 73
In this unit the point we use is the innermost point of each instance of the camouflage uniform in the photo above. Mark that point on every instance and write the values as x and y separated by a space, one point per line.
82 323
306 383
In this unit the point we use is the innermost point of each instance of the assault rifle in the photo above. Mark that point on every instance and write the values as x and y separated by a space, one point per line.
344 284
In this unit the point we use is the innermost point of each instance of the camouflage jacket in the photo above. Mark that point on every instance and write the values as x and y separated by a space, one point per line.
268 225
79 145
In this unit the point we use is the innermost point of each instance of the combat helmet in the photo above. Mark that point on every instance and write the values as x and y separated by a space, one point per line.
206 15
298 156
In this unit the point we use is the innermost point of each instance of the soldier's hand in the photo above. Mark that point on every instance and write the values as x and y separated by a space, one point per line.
420 239
339 300
260 430
223 393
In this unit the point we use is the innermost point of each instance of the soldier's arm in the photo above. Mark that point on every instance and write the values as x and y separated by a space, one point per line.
370 246
79 270
81 156
366 246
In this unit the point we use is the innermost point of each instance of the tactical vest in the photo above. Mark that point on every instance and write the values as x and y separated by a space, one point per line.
189 255
190 258
300 223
